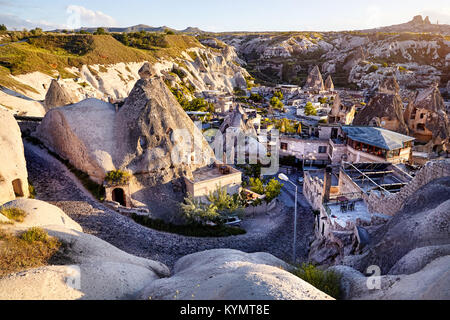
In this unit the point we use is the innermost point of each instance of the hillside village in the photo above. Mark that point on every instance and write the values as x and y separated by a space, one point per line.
153 162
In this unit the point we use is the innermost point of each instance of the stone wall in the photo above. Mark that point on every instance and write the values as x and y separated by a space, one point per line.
391 204
313 190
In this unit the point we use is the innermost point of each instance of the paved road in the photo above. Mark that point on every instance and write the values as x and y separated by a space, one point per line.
55 184
5 44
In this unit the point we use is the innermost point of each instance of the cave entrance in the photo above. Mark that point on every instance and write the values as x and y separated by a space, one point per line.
17 187
118 195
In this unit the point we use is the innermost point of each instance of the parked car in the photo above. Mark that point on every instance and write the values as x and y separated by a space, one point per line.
233 221
300 180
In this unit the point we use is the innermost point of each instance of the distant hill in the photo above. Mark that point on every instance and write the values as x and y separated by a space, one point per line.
416 25
141 27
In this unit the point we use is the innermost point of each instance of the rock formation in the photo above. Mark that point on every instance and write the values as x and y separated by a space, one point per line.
150 135
57 96
413 245
427 118
385 109
231 275
342 111
88 268
314 81
329 85
13 170
238 119
238 127
389 86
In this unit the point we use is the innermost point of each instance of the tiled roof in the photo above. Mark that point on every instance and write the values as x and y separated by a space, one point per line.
378 137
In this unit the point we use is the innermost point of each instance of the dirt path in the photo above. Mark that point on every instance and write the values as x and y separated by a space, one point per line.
55 184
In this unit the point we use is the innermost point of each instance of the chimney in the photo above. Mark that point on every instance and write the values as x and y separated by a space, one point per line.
327 184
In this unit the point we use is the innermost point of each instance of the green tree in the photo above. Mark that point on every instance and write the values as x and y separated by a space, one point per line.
238 92
276 103
256 98
273 190
194 211
278 94
310 110
323 100
100 31
226 204
36 31
3 27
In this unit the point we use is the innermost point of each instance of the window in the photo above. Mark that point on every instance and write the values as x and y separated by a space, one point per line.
421 127
422 115
322 149
284 146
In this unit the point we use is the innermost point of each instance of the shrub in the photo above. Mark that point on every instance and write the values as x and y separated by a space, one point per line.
372 68
310 110
256 98
117 177
35 234
3 27
189 230
14 214
226 204
180 73
197 212
238 92
31 191
18 254
325 281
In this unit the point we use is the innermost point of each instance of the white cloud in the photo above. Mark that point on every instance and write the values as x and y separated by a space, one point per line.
14 22
82 17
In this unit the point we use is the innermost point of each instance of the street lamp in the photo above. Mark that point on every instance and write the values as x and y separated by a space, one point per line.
283 177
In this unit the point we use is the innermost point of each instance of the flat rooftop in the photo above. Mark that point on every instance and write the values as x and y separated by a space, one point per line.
344 218
211 172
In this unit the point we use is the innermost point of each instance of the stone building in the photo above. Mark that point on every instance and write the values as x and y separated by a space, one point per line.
13 170
427 119
209 179
370 144
309 150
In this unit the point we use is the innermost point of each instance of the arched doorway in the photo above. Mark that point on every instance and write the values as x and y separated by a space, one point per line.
17 187
118 195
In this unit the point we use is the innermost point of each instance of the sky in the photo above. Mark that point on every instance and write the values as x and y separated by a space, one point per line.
220 15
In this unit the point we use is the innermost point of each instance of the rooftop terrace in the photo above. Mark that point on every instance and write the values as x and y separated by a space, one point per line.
377 176
212 172
347 219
